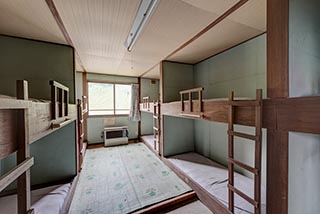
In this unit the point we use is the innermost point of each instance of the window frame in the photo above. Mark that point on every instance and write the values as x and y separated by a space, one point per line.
114 98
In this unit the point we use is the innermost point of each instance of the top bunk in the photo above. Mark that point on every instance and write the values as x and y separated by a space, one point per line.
148 106
213 109
44 116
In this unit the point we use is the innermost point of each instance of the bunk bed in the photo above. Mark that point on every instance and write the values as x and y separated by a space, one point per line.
221 189
24 121
152 141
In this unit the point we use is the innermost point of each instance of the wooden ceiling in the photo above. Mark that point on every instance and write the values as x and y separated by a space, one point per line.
98 29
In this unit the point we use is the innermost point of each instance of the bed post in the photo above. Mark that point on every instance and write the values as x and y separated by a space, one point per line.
277 87
23 182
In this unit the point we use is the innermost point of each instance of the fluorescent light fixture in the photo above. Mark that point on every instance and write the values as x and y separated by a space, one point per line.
145 10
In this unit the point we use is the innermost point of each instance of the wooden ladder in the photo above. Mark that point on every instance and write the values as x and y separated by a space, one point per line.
156 126
256 170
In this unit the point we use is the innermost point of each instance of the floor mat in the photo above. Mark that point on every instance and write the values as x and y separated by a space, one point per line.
123 179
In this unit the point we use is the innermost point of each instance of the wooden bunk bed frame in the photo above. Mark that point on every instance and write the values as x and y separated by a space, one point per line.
33 121
81 111
14 137
154 108
233 112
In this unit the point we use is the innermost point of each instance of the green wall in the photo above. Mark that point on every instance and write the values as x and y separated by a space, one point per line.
241 69
178 135
79 85
304 80
151 90
176 77
38 62
96 124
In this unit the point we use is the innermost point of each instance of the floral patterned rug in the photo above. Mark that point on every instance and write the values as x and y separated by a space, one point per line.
123 179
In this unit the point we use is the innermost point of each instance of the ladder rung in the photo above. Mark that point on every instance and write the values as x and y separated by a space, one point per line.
243 135
245 166
245 103
155 139
155 128
243 195
155 117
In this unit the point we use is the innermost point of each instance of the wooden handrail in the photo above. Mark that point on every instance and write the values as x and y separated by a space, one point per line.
58 85
14 173
191 90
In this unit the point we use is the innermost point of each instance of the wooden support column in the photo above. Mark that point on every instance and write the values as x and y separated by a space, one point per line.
277 87
23 152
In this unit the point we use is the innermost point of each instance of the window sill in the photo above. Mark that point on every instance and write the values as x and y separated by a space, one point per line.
108 115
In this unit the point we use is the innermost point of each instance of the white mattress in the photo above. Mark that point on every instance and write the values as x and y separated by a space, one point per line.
149 140
214 178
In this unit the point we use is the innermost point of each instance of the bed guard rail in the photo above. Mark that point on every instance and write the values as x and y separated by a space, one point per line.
146 102
59 100
191 112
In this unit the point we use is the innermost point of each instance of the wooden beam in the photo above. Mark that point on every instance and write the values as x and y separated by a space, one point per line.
277 48
157 208
139 123
277 172
23 153
278 87
14 173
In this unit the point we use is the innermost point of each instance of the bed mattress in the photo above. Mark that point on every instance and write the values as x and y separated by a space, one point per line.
148 139
214 178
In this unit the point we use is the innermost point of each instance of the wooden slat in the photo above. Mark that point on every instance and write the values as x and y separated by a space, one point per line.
243 195
22 90
245 103
245 166
191 90
168 203
242 135
58 85
14 173
8 136
62 123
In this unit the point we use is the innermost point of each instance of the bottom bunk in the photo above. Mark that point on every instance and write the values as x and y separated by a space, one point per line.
149 141
210 179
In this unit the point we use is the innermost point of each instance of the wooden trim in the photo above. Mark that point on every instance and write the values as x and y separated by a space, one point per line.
68 200
156 208
22 90
14 173
63 29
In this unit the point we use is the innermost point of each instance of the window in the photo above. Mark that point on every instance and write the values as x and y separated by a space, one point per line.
108 98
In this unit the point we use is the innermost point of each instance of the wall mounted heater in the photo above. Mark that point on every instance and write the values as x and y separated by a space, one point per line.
115 135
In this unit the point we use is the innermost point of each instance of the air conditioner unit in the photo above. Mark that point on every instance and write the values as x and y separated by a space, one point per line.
114 136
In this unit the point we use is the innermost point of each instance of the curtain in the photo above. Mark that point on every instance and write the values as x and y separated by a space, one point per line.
134 114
